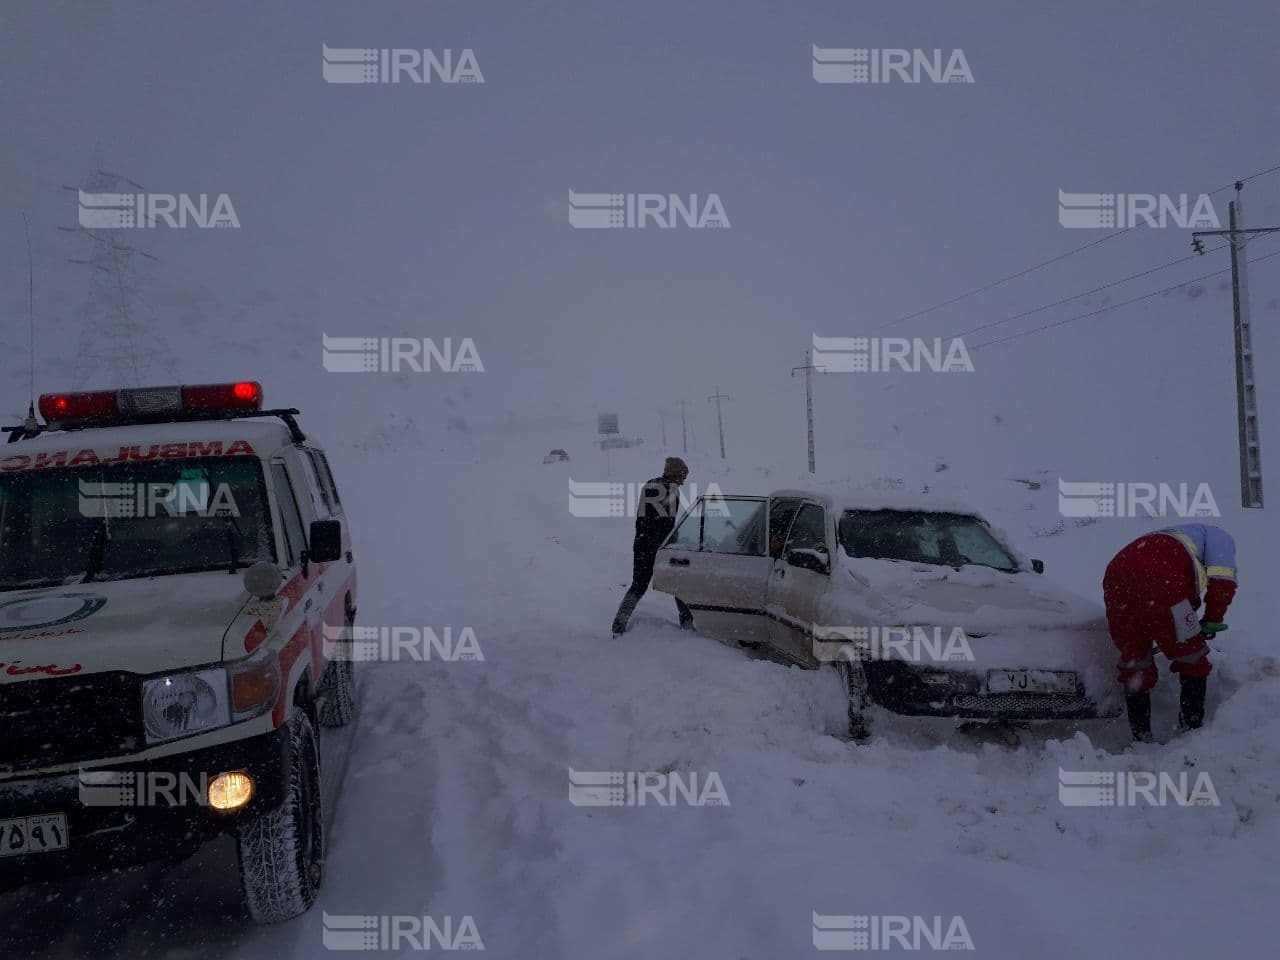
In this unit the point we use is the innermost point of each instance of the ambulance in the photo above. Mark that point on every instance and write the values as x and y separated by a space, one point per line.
177 596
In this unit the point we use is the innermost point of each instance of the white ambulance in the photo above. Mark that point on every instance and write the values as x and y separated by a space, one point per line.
177 587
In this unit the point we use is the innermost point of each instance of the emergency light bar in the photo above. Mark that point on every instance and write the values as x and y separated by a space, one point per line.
150 403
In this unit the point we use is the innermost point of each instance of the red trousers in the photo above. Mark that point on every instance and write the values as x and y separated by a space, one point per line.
1151 596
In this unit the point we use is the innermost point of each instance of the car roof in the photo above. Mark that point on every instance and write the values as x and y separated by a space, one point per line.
842 501
265 436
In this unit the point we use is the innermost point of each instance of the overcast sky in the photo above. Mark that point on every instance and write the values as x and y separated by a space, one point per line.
441 210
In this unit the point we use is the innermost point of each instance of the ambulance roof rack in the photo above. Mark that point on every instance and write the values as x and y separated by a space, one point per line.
177 404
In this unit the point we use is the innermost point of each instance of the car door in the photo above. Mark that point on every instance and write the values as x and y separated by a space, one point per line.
716 561
798 579
298 503
335 589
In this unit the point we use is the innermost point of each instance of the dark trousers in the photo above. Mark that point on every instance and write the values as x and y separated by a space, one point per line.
643 557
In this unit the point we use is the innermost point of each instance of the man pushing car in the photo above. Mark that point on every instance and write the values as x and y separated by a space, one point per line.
1154 590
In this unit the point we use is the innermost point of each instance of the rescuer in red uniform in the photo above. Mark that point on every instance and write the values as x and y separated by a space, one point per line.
1154 590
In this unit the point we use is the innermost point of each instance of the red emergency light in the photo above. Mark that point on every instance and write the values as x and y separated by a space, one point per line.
150 403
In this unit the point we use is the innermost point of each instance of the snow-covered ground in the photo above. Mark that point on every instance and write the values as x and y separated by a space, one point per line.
457 803
917 210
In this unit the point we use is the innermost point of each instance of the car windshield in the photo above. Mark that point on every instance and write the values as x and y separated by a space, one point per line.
946 539
116 521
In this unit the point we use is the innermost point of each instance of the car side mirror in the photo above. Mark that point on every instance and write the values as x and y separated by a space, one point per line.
808 560
1037 566
325 544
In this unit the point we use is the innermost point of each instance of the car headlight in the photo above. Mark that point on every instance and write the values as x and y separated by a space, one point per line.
183 704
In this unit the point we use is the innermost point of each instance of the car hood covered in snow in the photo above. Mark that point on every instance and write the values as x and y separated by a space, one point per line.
979 600
140 626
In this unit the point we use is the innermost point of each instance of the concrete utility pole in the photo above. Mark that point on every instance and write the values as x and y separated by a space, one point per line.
717 397
808 369
684 433
1246 396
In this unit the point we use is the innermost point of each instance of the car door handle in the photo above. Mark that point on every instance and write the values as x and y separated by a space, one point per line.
679 561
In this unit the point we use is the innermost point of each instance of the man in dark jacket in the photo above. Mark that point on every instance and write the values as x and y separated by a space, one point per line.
656 511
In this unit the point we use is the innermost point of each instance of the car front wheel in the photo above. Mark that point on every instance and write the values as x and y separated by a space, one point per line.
282 852
854 680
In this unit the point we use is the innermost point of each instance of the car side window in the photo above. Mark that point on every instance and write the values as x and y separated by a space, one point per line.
287 504
326 478
688 534
319 495
808 538
781 513
733 525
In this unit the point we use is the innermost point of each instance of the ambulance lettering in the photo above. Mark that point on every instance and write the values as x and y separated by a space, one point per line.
134 453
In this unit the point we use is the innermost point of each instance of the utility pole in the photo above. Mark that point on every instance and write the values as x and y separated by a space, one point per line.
717 397
808 369
662 419
684 433
1246 396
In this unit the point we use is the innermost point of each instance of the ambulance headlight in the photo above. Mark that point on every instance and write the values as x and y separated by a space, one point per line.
183 704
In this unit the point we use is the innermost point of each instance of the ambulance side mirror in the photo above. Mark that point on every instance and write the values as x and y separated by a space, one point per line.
325 543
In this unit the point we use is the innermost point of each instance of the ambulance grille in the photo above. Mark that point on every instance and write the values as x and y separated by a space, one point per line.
69 719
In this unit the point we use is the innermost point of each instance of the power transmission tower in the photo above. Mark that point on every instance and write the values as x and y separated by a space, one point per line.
114 345
808 369
717 397
1246 396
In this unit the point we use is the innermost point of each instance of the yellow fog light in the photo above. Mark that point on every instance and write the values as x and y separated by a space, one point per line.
230 791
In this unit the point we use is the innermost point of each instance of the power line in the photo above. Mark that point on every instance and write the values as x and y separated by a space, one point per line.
1085 293
995 283
1114 306
1052 260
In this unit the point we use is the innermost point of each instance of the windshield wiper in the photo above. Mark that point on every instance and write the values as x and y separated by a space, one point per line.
96 552
36 583
233 531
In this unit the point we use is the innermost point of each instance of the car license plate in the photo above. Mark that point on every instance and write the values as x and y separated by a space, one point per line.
33 834
1030 681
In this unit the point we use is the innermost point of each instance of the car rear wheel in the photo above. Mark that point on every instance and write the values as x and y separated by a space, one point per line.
338 684
282 852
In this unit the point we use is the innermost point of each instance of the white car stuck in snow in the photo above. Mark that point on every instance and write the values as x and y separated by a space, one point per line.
923 607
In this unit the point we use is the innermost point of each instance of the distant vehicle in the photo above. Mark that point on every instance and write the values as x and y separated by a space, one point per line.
173 564
556 456
923 608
